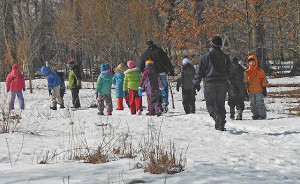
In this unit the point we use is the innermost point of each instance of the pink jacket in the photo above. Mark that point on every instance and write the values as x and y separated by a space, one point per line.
15 80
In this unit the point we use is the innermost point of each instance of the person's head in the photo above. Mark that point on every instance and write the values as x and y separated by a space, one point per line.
70 63
149 64
235 61
186 61
216 42
149 42
252 61
131 64
120 68
45 70
15 67
104 67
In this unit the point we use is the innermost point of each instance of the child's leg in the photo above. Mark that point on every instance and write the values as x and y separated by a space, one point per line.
108 103
150 106
253 106
261 106
185 101
21 99
127 101
120 103
138 102
100 103
12 100
132 101
157 104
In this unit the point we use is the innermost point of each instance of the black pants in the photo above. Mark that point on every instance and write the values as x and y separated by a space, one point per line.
188 100
75 97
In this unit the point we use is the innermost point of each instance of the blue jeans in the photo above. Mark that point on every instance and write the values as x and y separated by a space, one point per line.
215 94
164 80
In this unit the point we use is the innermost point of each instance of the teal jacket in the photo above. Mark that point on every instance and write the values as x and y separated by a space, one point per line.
132 79
104 83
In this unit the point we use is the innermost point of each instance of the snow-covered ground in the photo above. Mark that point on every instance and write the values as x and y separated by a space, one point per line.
261 151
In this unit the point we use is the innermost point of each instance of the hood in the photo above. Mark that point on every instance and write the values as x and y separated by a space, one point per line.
15 70
152 47
256 63
120 68
45 70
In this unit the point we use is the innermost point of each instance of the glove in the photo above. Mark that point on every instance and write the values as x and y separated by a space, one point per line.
264 92
96 94
246 95
177 88
163 92
7 90
140 92
197 87
23 89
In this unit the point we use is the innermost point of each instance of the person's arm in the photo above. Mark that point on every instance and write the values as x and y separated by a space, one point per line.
167 62
8 81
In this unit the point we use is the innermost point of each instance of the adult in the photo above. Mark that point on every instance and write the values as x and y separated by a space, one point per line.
237 100
162 65
74 82
215 70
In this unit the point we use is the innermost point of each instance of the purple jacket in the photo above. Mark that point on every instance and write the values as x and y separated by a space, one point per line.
151 81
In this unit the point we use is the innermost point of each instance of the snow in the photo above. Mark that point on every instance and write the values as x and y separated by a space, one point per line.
260 151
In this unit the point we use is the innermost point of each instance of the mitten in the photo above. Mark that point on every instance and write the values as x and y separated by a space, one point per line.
163 92
197 87
23 89
264 92
140 92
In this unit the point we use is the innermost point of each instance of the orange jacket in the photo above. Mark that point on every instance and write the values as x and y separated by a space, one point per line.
255 77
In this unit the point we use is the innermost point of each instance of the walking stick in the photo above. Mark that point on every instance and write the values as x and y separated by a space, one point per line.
170 87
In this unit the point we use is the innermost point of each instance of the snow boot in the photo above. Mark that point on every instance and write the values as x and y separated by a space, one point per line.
53 108
109 113
100 113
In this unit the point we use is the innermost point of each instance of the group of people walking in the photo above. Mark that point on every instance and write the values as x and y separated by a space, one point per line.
219 74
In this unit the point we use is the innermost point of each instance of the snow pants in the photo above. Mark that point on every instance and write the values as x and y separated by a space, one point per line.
164 80
154 103
257 105
120 102
55 97
108 103
188 100
135 101
75 97
19 94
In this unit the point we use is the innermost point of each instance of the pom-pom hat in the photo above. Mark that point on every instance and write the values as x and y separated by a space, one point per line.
130 64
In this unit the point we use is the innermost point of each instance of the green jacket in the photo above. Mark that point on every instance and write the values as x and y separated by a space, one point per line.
132 79
74 81
104 83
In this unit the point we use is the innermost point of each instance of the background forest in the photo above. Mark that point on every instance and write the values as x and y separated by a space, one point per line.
94 31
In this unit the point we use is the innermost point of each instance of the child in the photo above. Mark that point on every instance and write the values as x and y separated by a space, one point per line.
62 79
236 100
185 80
256 84
54 83
103 90
154 89
15 83
131 82
74 82
118 82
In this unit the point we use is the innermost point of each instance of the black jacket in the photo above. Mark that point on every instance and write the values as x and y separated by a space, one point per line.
186 77
161 61
215 67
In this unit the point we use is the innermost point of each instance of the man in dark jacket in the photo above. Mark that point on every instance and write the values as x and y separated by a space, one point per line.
237 100
162 65
215 70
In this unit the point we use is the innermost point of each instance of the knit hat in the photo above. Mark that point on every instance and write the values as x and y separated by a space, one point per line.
149 63
120 68
70 63
186 61
149 42
104 67
216 41
130 64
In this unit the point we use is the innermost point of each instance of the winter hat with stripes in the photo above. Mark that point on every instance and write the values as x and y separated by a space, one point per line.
149 63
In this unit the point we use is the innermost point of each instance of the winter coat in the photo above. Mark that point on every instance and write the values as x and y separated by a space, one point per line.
53 80
161 61
132 79
239 73
151 81
104 83
214 67
255 77
186 77
75 77
118 81
15 80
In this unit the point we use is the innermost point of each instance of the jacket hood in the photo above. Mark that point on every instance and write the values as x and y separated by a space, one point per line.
45 70
15 70
131 70
120 68
256 62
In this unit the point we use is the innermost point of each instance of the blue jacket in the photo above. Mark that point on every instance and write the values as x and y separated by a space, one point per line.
52 78
118 82
104 83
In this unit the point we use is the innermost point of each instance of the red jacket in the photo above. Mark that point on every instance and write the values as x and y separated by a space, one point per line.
255 77
15 80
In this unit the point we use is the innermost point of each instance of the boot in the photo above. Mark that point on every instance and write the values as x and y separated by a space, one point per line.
62 106
109 113
53 108
239 115
100 113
